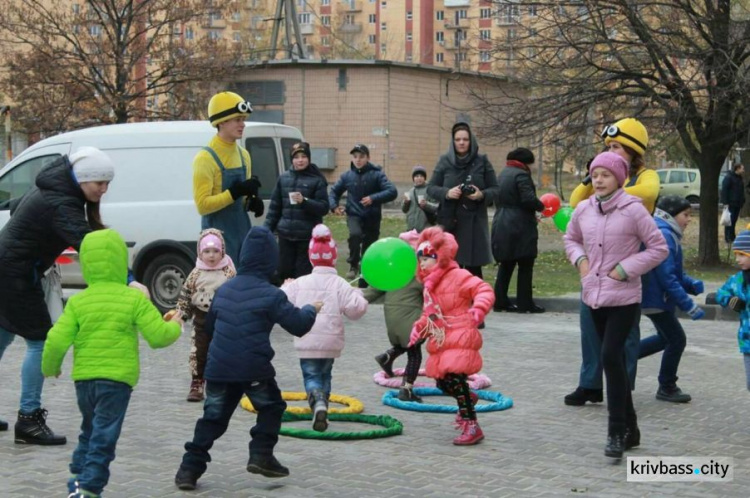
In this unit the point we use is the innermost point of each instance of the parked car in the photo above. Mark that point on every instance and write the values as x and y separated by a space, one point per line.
150 202
684 182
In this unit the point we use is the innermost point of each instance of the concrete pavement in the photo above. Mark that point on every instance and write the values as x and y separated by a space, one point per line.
540 447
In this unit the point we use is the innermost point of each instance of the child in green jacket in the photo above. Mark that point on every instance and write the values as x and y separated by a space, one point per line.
102 324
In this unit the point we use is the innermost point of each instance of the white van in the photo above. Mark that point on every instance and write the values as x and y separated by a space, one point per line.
150 202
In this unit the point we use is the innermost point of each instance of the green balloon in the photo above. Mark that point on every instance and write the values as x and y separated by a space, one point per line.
389 264
562 218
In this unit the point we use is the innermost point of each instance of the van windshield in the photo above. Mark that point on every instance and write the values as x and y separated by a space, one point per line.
21 178
265 163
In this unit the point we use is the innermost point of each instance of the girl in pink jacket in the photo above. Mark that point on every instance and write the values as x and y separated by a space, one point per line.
455 303
319 347
603 240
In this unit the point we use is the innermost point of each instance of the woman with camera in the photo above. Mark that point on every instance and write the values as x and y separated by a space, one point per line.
465 183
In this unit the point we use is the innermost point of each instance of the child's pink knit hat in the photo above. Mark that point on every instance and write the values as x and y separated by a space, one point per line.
612 163
322 249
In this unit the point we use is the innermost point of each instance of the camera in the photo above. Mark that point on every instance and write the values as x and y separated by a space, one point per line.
467 189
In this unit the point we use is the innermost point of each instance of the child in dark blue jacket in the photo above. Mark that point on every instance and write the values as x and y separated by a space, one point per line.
666 288
242 314
367 190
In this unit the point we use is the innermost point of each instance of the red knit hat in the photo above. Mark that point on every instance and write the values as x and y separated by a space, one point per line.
322 249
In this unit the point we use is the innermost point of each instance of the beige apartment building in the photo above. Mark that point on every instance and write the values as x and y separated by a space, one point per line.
403 112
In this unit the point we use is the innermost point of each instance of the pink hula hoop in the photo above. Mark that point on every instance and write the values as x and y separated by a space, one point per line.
476 381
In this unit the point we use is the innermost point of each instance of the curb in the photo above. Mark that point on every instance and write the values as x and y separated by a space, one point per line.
572 305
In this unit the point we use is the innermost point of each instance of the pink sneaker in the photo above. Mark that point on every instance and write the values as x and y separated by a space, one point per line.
471 434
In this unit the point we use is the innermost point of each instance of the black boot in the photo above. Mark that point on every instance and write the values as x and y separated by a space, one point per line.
615 445
406 393
33 429
319 406
581 395
266 466
385 360
3 425
673 394
632 436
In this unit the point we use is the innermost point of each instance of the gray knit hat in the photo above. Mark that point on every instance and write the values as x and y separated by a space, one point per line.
92 165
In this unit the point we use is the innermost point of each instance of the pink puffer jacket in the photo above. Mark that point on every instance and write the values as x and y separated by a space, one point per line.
608 234
326 339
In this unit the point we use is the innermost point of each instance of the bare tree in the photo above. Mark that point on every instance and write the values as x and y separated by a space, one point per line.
681 66
109 61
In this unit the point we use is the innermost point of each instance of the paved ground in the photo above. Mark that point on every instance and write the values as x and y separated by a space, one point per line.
538 448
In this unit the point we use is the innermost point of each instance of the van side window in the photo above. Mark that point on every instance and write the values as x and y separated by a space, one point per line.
692 176
678 177
662 176
286 146
265 163
19 180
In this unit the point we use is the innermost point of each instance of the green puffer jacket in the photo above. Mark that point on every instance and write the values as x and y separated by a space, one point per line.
102 322
402 307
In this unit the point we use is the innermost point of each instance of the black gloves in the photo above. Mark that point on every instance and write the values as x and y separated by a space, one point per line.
247 188
255 205
737 304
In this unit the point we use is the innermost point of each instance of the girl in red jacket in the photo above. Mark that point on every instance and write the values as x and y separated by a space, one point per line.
455 303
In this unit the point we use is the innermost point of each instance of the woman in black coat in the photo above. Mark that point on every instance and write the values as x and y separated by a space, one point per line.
298 203
55 214
464 183
514 232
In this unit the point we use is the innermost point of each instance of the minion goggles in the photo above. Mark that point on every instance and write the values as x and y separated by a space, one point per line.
241 108
613 131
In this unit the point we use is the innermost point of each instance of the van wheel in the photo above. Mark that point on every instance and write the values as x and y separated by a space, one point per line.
164 277
693 199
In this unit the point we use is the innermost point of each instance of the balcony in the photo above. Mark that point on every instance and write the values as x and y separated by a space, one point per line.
457 3
462 24
306 29
355 27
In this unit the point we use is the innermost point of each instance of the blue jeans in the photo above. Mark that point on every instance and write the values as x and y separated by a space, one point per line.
32 379
670 338
221 401
591 351
103 404
316 373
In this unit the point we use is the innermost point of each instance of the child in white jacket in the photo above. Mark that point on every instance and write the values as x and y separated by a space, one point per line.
319 347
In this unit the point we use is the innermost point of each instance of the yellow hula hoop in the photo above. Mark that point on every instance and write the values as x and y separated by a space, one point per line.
351 404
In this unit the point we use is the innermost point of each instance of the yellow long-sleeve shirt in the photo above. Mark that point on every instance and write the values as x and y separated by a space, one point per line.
646 188
207 192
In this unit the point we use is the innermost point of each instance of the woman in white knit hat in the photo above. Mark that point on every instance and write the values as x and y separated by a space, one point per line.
55 214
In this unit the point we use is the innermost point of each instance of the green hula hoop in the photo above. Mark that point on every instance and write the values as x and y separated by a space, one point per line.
391 426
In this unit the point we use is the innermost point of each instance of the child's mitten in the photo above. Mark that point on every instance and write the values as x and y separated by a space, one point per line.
737 304
696 313
477 314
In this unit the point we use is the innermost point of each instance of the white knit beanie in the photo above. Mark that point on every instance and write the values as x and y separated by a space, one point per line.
92 165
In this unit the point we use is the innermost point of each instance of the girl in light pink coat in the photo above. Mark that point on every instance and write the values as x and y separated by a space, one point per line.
603 240
319 347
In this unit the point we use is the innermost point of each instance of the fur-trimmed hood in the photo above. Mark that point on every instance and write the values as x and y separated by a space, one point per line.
443 243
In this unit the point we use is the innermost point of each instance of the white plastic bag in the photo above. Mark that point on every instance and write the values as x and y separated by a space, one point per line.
726 218
53 295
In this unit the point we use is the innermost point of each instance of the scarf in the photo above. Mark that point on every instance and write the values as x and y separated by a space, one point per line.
435 327
518 164
223 263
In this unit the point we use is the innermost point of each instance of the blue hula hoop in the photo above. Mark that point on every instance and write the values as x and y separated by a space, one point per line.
497 403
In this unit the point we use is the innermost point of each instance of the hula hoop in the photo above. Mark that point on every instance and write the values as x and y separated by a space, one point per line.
352 405
498 401
391 426
476 381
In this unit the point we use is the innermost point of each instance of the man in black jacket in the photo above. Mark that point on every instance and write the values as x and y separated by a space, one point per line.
733 196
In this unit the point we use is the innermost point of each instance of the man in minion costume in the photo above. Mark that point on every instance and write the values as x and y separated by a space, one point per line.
223 186
627 138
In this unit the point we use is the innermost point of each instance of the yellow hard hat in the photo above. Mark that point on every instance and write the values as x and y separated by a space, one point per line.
227 105
629 132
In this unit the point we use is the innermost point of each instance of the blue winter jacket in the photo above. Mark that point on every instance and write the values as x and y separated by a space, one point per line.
735 286
360 183
244 311
667 285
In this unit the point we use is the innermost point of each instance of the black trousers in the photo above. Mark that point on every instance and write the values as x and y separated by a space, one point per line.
474 270
362 233
294 260
729 232
524 298
612 326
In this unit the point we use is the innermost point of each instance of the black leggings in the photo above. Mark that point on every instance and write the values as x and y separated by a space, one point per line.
457 386
612 326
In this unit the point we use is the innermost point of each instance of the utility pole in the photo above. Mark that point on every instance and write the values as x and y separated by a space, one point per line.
291 26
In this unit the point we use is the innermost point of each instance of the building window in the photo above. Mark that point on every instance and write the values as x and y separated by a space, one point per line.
215 16
439 15
408 37
325 41
236 16
189 34
372 18
325 2
484 34
237 37
371 39
408 16
485 13
511 35
213 35
532 10
382 48
325 20
439 36
76 9
383 4
461 14
484 56
383 26
95 30
439 57
304 18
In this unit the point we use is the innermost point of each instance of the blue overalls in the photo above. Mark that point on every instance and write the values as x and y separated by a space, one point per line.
232 220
